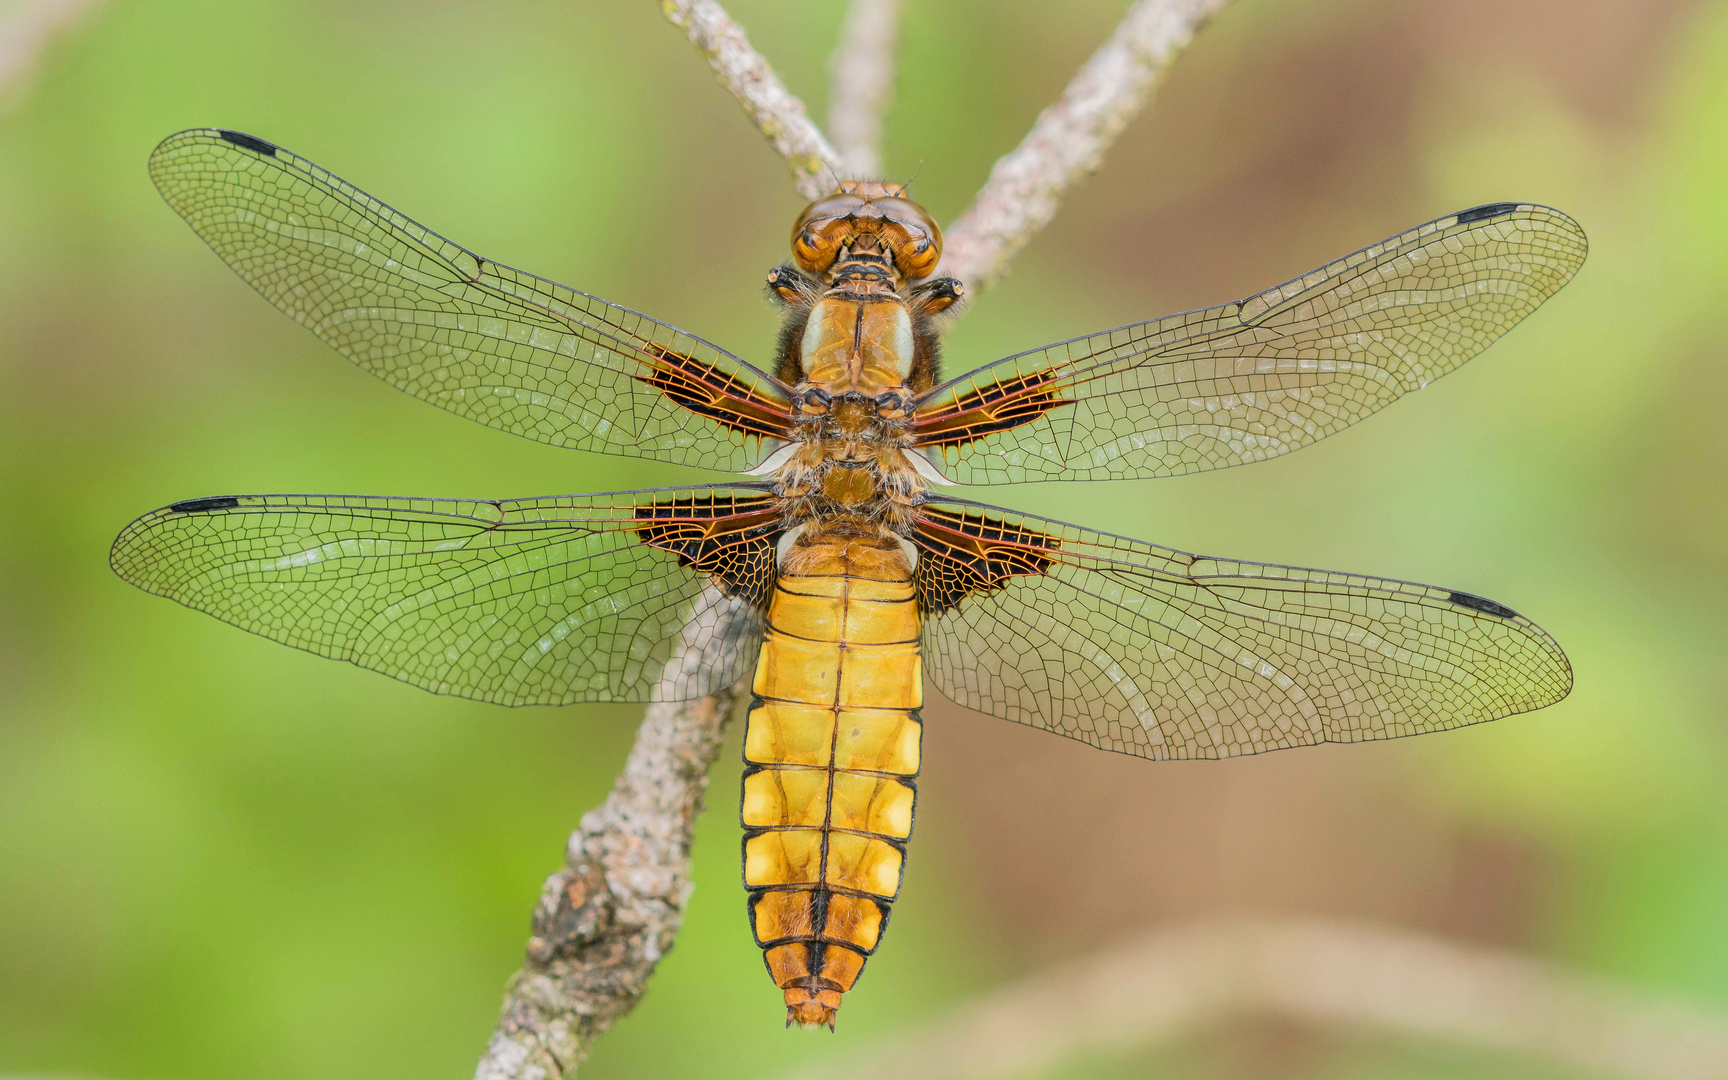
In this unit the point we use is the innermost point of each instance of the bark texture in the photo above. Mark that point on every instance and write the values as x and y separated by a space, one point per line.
1333 976
863 85
777 113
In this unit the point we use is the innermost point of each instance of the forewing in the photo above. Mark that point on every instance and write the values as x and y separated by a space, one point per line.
1150 651
519 602
497 345
1262 377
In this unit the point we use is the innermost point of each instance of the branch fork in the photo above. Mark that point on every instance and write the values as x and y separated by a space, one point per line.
605 920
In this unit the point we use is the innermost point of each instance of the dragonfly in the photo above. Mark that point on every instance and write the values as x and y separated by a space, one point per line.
835 571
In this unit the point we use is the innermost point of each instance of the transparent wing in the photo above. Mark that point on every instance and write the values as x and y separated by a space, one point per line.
1150 651
519 602
506 348
1262 377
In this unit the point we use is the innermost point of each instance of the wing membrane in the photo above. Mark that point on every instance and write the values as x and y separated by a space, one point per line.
1150 651
519 602
1261 377
497 345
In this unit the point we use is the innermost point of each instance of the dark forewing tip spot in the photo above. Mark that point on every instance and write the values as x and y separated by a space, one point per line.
1484 212
1482 604
250 142
200 506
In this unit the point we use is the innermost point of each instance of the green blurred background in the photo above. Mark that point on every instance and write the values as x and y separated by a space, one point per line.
220 857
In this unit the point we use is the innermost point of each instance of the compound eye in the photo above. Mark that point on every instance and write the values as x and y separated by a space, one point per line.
822 229
916 240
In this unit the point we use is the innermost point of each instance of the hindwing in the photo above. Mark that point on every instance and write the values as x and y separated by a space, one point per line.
1159 653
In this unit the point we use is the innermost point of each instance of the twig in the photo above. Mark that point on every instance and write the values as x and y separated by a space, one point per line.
863 69
1176 982
1331 975
1068 140
775 110
27 29
606 919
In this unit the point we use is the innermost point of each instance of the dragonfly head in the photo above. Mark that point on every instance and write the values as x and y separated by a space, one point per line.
864 216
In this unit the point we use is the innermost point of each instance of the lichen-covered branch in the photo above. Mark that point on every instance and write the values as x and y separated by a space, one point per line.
777 113
863 83
605 920
1177 982
27 28
1068 140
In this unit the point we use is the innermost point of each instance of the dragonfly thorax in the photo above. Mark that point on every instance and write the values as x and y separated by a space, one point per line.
851 412
852 460
857 344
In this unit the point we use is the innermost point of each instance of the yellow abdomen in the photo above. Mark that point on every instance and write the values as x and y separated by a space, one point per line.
831 750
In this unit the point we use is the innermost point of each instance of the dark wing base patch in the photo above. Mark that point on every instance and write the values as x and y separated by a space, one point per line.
730 539
1001 406
708 391
963 554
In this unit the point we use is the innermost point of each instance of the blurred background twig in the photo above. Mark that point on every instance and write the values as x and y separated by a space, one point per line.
863 84
1322 974
1179 980
28 27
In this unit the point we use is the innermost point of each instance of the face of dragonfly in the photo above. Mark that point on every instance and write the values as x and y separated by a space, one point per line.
867 217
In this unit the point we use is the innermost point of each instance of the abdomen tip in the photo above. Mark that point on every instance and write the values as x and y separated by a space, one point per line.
811 1009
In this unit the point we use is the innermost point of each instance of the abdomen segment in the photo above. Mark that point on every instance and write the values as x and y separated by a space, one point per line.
831 748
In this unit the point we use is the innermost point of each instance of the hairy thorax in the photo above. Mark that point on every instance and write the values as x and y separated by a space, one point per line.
859 346
850 458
